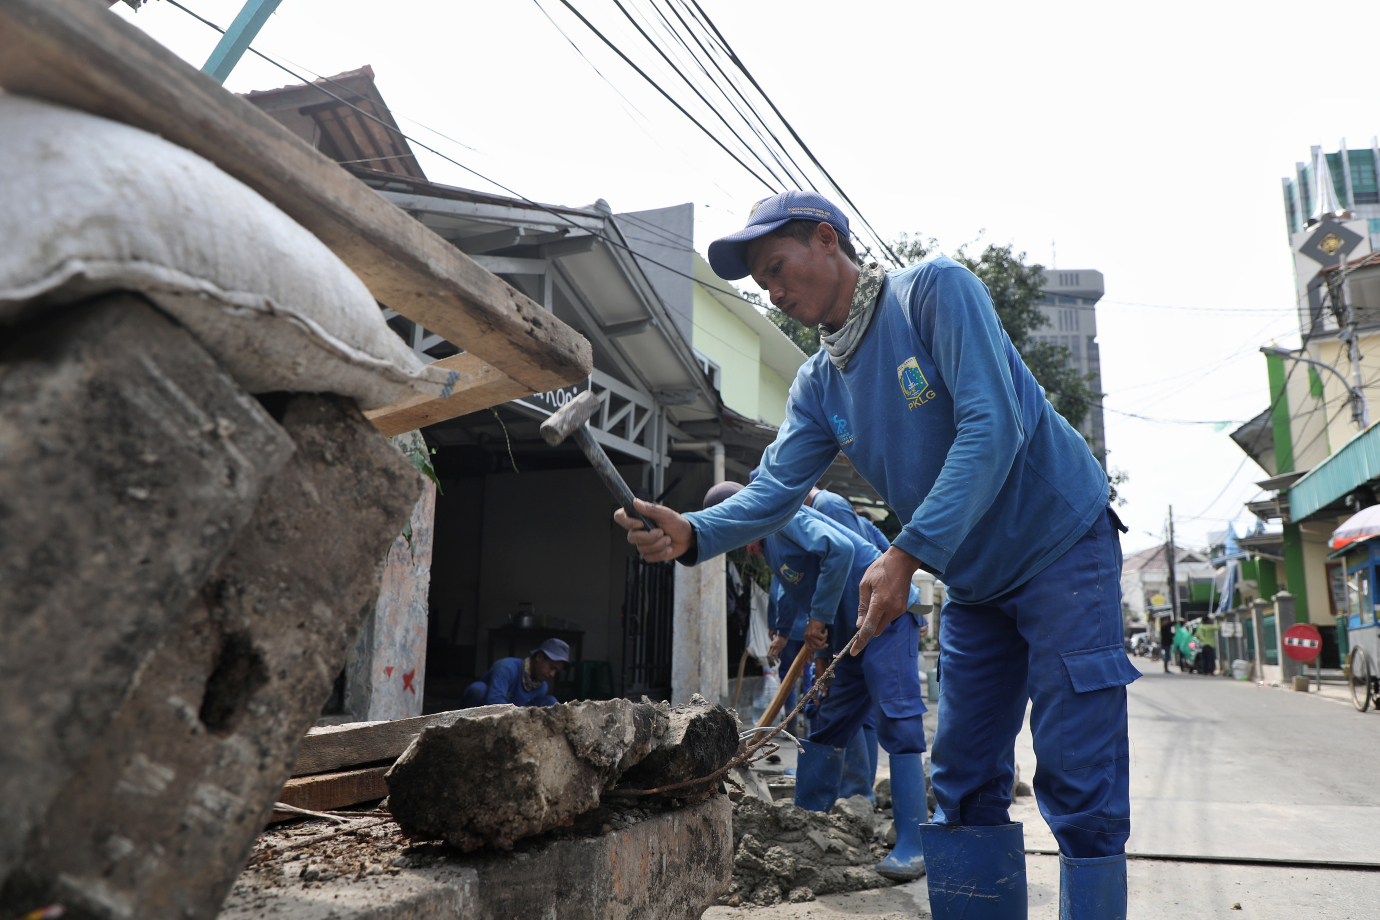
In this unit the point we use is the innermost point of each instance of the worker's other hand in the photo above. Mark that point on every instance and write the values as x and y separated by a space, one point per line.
883 594
816 635
826 681
672 537
778 645
924 627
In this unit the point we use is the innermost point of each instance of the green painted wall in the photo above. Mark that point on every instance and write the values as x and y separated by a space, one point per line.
1279 418
727 341
1284 463
1293 571
772 393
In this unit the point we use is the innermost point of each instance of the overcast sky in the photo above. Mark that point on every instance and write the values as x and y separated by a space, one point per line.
1145 142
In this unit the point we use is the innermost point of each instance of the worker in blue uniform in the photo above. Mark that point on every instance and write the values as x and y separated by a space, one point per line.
887 672
918 385
860 762
520 681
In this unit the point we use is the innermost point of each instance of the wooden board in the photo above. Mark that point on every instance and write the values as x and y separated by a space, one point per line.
479 387
78 54
335 746
330 791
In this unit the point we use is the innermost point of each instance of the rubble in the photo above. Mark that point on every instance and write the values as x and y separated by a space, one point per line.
129 461
699 739
616 862
163 812
785 853
501 773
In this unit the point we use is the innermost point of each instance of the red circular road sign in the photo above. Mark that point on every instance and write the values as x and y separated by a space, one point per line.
1302 642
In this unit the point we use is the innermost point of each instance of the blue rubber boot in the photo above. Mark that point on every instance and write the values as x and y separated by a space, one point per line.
856 769
819 770
907 860
975 873
1092 888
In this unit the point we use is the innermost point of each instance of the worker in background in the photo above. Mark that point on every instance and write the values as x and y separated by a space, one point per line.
918 385
860 762
835 559
520 681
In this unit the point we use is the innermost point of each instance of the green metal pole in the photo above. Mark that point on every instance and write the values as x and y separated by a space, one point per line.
236 39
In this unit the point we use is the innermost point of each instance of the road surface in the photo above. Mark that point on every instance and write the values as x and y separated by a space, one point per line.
1219 769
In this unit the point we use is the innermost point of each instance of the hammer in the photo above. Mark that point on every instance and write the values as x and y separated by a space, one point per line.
573 417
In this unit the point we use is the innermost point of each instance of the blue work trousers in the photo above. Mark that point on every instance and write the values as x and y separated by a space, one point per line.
886 674
1056 641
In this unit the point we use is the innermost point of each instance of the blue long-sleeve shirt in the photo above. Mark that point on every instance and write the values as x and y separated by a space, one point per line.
840 510
819 564
939 413
505 685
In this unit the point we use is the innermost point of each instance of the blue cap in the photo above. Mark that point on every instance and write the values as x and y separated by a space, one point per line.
726 254
555 649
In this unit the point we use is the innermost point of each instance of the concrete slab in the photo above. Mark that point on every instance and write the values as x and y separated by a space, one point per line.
669 866
129 461
158 819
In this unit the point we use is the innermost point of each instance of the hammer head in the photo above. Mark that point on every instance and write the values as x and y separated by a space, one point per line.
567 418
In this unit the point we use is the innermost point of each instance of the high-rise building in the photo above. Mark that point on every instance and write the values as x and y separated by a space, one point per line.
1354 177
1070 308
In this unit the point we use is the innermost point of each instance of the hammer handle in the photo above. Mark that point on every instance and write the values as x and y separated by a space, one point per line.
784 692
609 474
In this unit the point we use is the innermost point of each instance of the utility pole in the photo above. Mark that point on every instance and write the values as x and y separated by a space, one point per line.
1173 578
1346 320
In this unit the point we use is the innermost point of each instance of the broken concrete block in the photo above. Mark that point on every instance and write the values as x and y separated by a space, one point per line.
501 773
883 792
129 461
162 814
826 855
670 866
700 738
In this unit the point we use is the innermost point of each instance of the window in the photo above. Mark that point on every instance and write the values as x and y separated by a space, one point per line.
1364 189
711 370
1068 279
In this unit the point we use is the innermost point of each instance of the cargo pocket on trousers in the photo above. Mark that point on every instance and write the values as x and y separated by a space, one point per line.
1093 717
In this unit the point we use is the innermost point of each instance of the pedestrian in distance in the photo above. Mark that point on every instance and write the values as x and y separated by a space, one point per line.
1167 642
921 389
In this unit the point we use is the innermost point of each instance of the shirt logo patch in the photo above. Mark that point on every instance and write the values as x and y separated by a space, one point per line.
914 386
791 574
841 432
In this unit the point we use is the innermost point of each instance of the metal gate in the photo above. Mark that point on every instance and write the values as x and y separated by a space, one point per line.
648 605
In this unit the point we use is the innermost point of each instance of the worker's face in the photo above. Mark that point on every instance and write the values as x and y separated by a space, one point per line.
544 668
801 281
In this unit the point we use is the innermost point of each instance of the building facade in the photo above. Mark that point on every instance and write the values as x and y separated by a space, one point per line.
1069 303
1354 177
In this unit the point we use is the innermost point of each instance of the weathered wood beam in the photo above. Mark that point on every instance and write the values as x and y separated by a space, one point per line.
76 53
329 791
335 746
479 387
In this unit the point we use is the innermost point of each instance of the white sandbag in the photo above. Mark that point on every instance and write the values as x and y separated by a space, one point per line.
89 205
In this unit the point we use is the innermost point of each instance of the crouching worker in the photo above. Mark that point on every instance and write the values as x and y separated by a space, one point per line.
520 681
820 564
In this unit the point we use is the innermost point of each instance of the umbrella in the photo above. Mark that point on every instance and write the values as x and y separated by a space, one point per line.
1362 524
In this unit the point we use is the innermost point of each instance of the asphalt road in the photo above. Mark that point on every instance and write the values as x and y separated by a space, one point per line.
1224 768
1219 769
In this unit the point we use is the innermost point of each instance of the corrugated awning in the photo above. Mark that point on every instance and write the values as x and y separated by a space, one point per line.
1327 484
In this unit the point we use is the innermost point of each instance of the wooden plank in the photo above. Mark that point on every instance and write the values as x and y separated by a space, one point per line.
329 791
479 387
332 747
78 54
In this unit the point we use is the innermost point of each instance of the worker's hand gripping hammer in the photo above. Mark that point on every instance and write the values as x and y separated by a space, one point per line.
573 418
